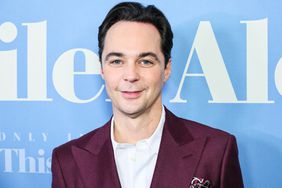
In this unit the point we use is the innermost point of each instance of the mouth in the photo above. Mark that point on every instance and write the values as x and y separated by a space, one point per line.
131 94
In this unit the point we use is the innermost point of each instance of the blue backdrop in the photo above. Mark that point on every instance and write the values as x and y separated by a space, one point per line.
227 73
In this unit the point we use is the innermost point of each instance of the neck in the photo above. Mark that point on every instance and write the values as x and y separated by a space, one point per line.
130 130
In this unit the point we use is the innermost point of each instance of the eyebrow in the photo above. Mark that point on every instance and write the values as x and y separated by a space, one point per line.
141 55
145 54
116 54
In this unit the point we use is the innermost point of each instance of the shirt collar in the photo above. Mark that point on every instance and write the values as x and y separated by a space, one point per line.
153 141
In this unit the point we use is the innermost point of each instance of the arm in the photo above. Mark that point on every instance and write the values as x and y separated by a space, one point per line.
231 176
57 175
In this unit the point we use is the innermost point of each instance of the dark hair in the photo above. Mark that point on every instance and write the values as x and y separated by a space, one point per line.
136 12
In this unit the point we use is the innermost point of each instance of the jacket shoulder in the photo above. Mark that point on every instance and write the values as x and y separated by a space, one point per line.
80 142
194 129
200 130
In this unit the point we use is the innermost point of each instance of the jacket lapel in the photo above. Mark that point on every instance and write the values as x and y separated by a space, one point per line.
95 160
178 156
177 161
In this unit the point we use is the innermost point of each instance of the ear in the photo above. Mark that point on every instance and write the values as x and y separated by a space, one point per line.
167 70
102 72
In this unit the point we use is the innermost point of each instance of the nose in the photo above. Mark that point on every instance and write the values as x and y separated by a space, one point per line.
131 72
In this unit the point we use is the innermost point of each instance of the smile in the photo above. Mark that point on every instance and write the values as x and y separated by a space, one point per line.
131 94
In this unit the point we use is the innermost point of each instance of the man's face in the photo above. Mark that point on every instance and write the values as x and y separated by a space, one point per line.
133 67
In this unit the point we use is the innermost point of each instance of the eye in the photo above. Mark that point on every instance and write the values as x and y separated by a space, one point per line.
116 63
146 63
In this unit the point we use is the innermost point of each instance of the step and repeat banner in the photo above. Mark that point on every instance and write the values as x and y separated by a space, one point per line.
227 73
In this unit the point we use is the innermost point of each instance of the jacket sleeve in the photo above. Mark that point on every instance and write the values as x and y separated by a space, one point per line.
57 175
231 176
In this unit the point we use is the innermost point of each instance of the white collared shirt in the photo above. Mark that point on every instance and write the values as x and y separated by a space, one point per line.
136 162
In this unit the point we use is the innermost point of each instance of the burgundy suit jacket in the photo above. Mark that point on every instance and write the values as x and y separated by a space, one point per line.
188 151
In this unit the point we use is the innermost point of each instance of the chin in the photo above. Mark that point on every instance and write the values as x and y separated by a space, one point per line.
132 111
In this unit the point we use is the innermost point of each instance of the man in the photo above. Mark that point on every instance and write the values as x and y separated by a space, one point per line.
144 144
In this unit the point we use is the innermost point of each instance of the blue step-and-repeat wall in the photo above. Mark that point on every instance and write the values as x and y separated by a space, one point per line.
227 73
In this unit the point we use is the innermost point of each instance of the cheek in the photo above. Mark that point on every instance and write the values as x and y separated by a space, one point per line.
111 77
156 79
110 80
